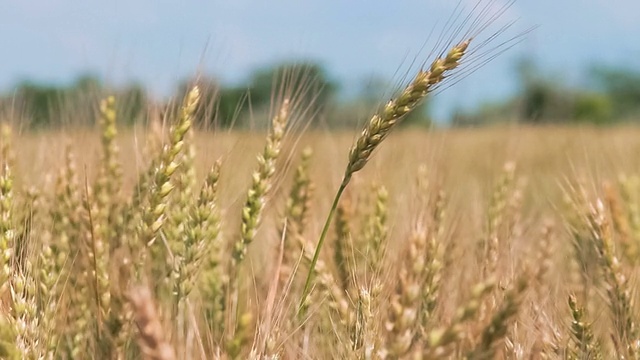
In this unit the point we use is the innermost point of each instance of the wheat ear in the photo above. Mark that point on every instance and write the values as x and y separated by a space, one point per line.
616 283
379 127
169 163
584 344
151 337
7 229
261 183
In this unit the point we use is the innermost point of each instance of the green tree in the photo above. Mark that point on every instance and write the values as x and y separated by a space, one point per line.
543 98
535 92
132 102
226 106
622 85
51 105
593 107
307 82
38 102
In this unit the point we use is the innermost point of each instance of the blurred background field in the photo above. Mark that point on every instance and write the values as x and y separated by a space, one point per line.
461 156
466 163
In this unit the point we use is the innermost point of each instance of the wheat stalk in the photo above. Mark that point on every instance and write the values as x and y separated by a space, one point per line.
379 127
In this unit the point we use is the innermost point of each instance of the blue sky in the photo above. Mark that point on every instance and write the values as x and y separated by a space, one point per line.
159 42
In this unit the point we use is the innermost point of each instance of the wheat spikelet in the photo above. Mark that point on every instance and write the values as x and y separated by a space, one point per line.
375 236
407 304
201 232
105 218
336 295
439 340
7 230
25 311
576 216
160 187
65 216
70 252
342 246
108 183
241 337
261 182
362 329
211 274
151 337
434 261
296 217
183 234
626 216
8 349
251 216
7 226
169 163
584 345
618 292
381 124
496 330
497 216
50 286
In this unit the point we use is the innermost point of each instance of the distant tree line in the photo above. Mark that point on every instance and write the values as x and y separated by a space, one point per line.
240 106
611 95
39 105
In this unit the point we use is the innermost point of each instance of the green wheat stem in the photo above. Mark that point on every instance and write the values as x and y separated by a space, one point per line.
323 235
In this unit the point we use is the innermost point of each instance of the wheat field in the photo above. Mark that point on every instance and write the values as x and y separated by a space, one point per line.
512 242
170 242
